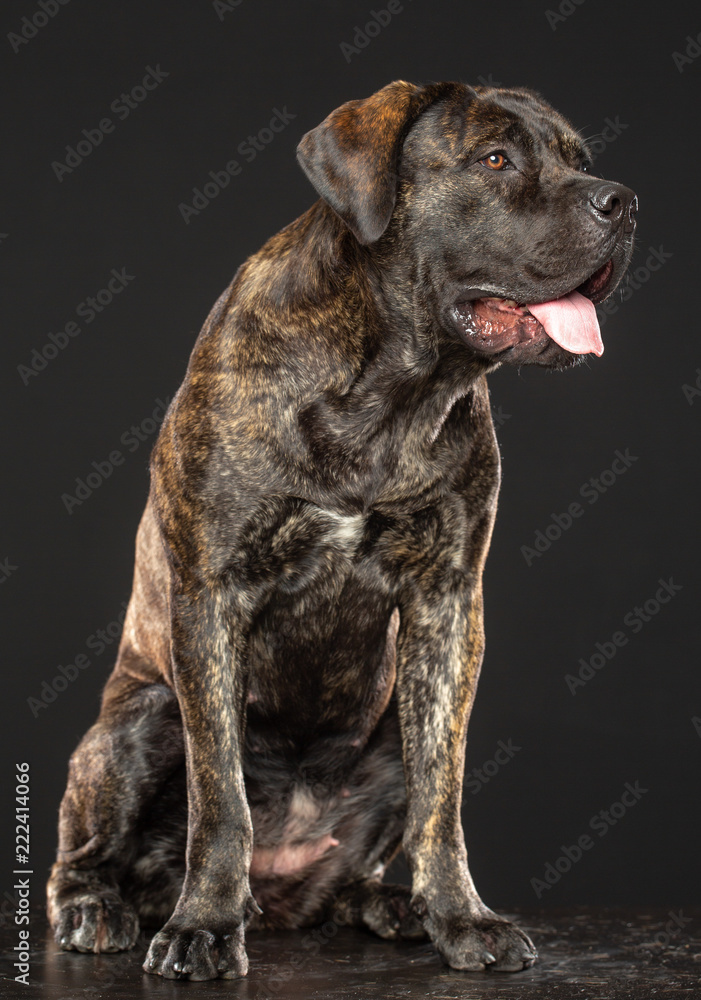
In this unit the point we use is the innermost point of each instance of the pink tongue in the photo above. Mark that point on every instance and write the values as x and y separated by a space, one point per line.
571 322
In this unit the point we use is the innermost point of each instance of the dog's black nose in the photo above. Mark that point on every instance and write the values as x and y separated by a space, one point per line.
611 203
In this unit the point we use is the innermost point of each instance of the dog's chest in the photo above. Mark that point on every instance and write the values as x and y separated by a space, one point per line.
396 455
321 651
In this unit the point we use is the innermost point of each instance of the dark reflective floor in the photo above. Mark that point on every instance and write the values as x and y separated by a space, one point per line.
584 955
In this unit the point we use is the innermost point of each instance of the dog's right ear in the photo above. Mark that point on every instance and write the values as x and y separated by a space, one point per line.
352 157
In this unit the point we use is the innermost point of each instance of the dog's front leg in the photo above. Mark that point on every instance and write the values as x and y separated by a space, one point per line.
439 654
204 938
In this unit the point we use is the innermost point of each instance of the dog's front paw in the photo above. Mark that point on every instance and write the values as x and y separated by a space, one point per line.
96 923
177 952
474 945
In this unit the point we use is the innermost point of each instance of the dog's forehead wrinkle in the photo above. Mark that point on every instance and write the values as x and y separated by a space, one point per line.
562 141
537 119
429 140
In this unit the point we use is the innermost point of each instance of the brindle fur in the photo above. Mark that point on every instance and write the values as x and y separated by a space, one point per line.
304 637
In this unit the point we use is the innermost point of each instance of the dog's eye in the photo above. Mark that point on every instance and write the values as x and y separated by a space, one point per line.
495 161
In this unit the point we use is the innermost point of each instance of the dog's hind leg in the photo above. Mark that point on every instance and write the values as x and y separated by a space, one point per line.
383 908
114 775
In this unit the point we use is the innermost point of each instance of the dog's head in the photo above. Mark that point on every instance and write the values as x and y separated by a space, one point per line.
486 196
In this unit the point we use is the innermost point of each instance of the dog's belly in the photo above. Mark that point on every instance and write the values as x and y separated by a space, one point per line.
316 828
323 817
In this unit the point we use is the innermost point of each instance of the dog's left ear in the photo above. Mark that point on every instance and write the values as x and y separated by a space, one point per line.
352 157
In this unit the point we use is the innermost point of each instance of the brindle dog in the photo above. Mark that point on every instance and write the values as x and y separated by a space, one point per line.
302 646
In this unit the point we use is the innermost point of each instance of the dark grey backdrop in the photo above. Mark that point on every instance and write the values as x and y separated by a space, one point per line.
65 574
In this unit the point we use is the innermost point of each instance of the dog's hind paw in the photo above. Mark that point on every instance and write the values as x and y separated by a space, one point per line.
386 910
197 954
95 924
382 908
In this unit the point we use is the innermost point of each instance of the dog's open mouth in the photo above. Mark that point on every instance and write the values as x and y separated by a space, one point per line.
497 324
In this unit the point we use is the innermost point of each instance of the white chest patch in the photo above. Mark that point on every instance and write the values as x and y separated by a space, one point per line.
346 530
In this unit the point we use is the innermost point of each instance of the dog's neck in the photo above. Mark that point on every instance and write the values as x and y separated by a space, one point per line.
390 359
375 412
